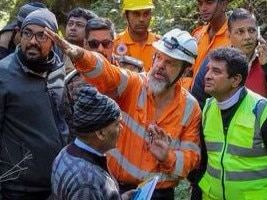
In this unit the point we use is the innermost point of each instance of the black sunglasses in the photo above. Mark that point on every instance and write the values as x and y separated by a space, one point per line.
94 44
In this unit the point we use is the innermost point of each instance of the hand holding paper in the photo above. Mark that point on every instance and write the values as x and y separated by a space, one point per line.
146 189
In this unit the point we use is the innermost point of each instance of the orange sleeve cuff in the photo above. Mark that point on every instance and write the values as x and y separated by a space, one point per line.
87 62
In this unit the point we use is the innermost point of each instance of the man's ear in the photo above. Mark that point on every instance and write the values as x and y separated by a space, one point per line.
236 80
124 15
85 43
100 134
224 5
228 34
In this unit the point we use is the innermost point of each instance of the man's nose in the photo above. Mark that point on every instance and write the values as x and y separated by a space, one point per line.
141 18
33 39
207 75
247 34
100 48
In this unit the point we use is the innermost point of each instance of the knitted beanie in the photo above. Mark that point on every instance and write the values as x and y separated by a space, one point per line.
93 110
42 17
27 9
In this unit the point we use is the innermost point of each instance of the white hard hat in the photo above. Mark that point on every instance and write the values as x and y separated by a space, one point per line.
178 44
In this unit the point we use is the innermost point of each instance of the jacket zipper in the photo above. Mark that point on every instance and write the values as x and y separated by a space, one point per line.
225 129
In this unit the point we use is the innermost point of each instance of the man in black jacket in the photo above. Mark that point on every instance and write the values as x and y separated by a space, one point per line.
31 122
10 34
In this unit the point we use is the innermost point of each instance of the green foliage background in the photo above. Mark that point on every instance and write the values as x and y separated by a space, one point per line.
166 15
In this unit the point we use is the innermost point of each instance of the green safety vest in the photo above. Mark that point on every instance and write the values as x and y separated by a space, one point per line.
237 160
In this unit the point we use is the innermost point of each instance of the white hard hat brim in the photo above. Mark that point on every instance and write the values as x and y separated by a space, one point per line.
176 54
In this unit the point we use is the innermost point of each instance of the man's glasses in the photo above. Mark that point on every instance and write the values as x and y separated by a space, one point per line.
39 36
94 44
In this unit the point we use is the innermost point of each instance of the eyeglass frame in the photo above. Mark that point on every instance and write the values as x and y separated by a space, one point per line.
107 44
176 45
28 34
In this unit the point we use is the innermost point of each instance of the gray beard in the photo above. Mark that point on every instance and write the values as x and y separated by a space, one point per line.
156 86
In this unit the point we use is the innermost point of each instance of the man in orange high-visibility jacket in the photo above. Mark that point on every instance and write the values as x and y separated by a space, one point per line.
136 41
160 134
210 36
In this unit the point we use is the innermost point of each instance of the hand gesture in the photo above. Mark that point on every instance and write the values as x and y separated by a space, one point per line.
73 51
159 142
261 50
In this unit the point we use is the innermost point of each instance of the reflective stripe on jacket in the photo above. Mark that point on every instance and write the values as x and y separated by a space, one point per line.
131 162
237 159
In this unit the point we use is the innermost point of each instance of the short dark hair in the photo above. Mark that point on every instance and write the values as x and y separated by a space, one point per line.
240 13
236 61
100 23
81 12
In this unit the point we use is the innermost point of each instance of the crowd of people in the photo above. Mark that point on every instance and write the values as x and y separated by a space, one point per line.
93 114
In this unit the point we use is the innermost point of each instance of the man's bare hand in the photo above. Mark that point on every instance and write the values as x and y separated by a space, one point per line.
261 50
158 143
73 51
128 195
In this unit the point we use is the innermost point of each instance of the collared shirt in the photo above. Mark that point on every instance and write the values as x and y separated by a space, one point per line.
84 146
124 45
206 44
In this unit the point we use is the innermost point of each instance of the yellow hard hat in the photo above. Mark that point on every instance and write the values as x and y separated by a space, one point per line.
137 5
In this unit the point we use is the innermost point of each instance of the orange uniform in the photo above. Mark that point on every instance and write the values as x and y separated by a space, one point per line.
205 45
124 45
131 162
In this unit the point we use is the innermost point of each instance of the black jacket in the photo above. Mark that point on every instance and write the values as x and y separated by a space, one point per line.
31 122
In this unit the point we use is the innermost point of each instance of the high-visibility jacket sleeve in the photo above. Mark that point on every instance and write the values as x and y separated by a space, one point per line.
93 65
181 161
181 120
